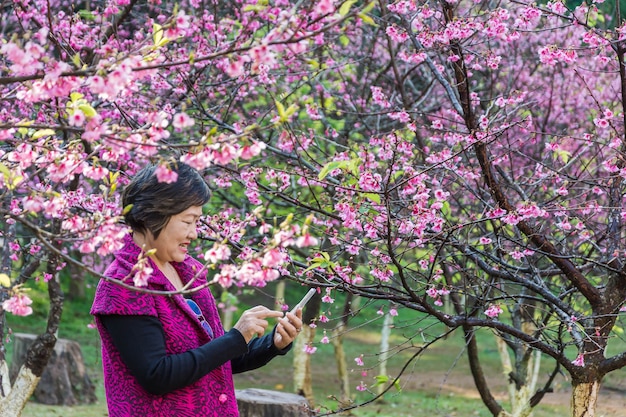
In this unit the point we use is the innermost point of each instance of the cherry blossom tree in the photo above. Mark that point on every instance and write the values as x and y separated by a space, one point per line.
468 152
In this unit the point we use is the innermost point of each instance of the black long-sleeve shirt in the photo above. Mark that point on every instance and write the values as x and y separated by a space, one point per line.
141 343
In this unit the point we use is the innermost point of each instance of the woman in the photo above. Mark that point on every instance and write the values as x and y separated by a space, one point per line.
169 355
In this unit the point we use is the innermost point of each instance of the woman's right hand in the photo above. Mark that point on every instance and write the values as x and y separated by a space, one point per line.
252 322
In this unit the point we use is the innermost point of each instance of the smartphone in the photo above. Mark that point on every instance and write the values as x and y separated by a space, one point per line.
304 300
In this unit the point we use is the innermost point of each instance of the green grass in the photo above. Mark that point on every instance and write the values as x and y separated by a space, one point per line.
436 382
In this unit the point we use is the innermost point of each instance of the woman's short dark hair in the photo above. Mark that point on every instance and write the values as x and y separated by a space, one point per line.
154 203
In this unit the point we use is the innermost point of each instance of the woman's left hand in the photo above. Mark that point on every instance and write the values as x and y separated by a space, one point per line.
287 329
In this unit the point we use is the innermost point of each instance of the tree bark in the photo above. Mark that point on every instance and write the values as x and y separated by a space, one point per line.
385 335
342 365
519 395
478 374
340 354
13 404
76 288
254 402
302 364
585 398
302 360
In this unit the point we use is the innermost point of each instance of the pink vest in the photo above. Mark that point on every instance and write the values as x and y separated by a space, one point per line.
212 395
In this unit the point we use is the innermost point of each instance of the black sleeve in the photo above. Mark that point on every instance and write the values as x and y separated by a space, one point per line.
261 350
157 372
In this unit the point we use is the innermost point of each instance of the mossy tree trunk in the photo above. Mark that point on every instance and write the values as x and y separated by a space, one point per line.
584 398
301 359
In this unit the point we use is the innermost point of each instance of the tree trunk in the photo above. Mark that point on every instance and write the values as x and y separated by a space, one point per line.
340 354
28 375
480 379
302 364
385 334
342 365
254 402
279 298
5 382
584 398
13 404
77 284
302 360
519 397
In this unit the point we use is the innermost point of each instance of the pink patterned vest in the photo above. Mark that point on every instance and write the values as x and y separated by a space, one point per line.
211 396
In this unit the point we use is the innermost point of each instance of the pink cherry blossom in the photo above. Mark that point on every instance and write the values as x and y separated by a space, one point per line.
324 7
306 240
309 349
218 252
379 97
19 305
226 275
580 360
165 174
273 258
396 34
493 311
250 151
142 275
235 67
182 120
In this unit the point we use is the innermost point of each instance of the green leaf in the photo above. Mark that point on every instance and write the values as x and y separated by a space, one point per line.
445 208
322 261
157 33
326 169
380 380
367 19
355 165
254 8
87 110
282 113
86 14
369 7
397 385
4 170
373 197
75 96
315 64
331 166
43 132
562 154
5 281
76 61
345 7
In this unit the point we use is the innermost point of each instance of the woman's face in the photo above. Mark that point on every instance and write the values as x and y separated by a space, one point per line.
175 237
